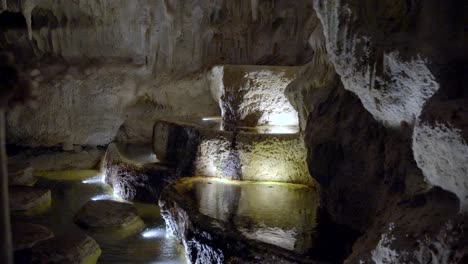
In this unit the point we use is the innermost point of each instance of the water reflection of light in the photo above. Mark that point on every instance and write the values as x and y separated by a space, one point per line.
95 180
154 233
102 197
284 119
281 130
212 118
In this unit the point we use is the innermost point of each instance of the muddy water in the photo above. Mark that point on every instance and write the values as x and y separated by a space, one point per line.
148 245
279 214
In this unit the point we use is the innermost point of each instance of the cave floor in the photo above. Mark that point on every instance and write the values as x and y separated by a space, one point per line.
149 244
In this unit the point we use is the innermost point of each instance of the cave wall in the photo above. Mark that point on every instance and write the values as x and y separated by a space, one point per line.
386 135
157 52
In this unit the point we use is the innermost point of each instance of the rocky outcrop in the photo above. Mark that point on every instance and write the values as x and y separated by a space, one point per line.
348 151
383 152
134 181
406 62
195 150
251 96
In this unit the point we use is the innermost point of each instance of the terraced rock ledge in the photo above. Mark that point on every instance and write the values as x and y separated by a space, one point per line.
193 149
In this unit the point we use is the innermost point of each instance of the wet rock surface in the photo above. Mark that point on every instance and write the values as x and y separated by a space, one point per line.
105 214
135 181
55 158
25 198
20 173
27 235
72 248
193 149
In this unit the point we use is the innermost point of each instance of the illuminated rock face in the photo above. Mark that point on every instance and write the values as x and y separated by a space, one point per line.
201 151
135 181
252 96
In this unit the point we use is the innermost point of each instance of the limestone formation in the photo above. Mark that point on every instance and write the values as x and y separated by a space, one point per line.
106 214
251 96
202 151
55 159
138 60
135 181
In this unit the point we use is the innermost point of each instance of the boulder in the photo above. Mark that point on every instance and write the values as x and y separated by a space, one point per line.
73 248
20 173
27 235
106 214
29 200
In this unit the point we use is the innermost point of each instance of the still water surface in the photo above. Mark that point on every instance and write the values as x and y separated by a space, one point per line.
149 245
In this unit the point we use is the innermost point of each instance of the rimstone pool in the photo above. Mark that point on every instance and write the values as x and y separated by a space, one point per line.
148 243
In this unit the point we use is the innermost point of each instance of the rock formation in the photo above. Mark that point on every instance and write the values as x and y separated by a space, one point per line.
379 86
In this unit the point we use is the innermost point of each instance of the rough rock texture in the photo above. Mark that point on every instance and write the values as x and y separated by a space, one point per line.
440 138
406 63
347 152
106 213
210 240
27 235
138 60
20 173
56 159
71 248
132 181
395 56
27 199
203 151
319 73
252 96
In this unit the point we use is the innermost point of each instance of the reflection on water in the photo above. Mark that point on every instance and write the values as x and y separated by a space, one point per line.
280 214
69 196
138 153
216 123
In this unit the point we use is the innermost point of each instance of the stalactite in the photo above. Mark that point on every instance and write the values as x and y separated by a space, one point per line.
254 4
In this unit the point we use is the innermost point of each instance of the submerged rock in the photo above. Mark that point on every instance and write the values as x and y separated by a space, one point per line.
106 213
29 200
27 235
75 248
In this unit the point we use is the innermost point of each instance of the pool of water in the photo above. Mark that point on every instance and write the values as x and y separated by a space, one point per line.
283 215
150 245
